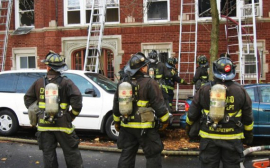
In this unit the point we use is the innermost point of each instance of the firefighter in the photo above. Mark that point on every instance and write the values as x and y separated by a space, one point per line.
159 72
170 82
54 118
224 113
201 74
138 116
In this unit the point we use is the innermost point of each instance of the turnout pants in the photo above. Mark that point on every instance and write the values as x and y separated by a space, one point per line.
212 151
129 141
47 142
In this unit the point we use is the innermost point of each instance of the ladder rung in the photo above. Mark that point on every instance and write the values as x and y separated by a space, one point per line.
233 44
247 25
97 14
188 32
3 8
94 31
187 42
232 27
233 36
247 35
189 13
188 3
188 52
233 53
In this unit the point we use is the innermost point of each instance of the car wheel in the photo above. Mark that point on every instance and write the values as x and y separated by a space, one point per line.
110 129
8 123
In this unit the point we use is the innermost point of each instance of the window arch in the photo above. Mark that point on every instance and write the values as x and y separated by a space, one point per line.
77 61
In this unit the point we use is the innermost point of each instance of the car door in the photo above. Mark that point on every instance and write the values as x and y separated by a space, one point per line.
253 94
89 117
264 110
25 81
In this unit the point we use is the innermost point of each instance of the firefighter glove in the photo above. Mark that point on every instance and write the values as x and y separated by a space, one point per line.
183 82
164 125
188 129
248 137
117 126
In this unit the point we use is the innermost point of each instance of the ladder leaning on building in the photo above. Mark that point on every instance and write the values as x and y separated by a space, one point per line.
5 14
95 33
187 41
242 42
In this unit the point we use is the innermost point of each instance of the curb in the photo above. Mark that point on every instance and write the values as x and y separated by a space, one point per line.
140 151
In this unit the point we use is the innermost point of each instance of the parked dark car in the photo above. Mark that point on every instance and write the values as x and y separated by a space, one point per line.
260 96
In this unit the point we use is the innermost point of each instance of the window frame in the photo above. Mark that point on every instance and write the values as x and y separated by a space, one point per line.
145 12
18 61
17 15
163 47
264 66
22 52
238 10
83 16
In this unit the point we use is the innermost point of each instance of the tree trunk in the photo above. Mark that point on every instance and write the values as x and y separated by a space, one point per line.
214 36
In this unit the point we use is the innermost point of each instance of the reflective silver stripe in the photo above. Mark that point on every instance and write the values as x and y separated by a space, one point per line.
41 105
63 106
249 127
75 112
116 119
62 129
221 136
165 117
142 103
138 124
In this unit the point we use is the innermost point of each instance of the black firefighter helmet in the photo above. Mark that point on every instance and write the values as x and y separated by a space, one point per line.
202 60
171 62
55 61
136 62
224 69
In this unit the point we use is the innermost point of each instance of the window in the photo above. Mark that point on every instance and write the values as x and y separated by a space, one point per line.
265 92
249 60
25 62
164 50
25 14
82 83
8 82
251 93
26 80
225 7
158 10
228 8
77 12
24 58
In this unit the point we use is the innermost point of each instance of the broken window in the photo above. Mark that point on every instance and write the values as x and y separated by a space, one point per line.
226 8
157 10
26 12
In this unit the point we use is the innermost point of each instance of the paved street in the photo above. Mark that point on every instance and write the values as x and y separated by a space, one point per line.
21 155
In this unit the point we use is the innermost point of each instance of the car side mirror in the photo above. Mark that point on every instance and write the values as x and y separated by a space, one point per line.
90 92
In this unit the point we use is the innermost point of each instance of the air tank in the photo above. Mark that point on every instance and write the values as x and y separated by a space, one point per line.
125 98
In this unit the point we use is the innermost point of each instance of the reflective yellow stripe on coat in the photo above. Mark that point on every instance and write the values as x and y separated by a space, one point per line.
62 129
204 134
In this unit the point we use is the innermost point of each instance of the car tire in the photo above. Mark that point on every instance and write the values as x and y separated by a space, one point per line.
8 123
110 129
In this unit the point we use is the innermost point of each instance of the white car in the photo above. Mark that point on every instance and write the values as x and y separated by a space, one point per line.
97 90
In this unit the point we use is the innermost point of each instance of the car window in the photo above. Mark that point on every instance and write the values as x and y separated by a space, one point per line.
104 82
265 91
26 80
251 93
8 82
82 84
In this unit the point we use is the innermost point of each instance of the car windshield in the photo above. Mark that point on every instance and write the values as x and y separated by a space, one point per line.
104 82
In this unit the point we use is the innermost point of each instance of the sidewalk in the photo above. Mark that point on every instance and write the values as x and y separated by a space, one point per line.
90 146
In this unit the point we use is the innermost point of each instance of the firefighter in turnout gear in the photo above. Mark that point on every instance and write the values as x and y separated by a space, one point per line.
138 123
201 74
158 71
170 82
223 109
55 120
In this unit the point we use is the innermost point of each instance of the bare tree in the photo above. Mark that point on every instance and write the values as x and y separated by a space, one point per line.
214 35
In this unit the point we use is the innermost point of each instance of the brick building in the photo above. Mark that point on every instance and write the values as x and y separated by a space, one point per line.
38 26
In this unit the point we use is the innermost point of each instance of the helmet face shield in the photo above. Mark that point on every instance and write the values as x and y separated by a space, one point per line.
136 62
224 69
